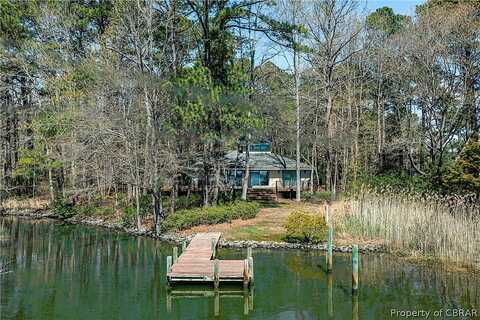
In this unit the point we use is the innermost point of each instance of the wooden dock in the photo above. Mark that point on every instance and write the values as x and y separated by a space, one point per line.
198 264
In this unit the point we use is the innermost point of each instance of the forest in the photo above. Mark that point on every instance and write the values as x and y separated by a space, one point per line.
131 100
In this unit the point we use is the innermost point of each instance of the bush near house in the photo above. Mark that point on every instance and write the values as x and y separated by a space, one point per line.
187 218
317 196
303 227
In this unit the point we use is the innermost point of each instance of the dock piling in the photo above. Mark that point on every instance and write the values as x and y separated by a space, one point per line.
184 246
169 263
175 254
214 248
216 274
246 274
249 252
250 269
355 268
330 249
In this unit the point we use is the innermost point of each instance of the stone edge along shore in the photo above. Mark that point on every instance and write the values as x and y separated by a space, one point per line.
178 238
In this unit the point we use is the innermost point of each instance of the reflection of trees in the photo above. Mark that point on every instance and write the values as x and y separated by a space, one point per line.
84 263
296 264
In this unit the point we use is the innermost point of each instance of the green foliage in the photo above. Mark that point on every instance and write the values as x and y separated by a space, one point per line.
184 202
63 209
303 227
129 217
15 19
464 175
317 196
386 21
146 205
184 219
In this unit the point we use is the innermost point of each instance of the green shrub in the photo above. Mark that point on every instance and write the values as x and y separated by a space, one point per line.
303 227
85 210
463 176
63 209
317 197
184 202
187 218
129 217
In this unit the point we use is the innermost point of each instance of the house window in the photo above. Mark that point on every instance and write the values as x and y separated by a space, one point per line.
258 178
260 147
289 178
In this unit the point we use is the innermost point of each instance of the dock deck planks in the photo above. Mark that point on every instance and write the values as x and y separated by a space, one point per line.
195 264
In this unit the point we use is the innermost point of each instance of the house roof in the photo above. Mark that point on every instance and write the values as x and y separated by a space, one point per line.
263 161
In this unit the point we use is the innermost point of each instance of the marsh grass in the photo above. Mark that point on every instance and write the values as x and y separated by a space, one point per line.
445 228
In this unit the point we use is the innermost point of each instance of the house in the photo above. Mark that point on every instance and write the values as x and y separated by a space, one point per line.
268 170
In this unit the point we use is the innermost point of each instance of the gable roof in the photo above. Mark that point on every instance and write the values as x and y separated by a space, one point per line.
263 161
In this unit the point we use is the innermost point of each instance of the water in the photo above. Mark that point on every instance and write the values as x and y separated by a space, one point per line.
61 271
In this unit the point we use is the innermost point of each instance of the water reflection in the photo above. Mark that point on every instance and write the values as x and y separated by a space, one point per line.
183 294
62 271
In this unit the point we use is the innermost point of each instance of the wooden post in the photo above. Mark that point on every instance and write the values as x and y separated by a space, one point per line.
330 250
184 246
169 263
214 248
246 274
169 266
355 268
249 252
250 269
175 254
216 274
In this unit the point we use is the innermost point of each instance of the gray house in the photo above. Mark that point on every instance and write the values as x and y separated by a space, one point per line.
267 169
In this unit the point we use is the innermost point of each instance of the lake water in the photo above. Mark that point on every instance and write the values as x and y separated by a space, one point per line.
62 271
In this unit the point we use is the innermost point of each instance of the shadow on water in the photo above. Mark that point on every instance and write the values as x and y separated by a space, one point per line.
63 271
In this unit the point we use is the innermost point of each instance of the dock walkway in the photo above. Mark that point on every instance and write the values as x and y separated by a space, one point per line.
198 263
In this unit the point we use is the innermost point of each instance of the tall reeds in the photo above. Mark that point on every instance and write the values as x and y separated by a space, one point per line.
442 227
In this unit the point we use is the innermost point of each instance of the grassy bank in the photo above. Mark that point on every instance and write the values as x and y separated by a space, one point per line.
442 228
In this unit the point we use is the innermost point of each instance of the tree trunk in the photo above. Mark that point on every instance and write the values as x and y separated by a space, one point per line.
137 203
297 129
246 175
157 208
51 187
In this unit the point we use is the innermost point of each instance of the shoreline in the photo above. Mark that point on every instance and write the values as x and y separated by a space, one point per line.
179 238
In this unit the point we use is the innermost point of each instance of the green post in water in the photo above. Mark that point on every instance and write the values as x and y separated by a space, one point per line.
354 268
330 250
